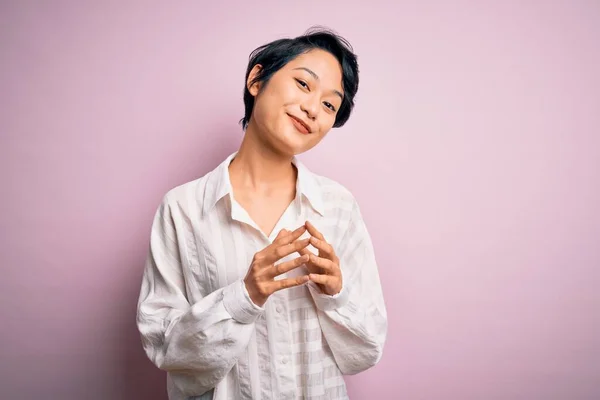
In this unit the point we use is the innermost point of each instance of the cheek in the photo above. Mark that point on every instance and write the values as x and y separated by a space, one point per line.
263 112
271 108
315 139
325 125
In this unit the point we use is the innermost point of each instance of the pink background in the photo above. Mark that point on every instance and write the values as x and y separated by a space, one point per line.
474 151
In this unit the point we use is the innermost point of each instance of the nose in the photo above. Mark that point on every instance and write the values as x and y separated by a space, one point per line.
310 106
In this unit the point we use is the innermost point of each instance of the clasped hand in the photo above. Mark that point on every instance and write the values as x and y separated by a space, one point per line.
323 268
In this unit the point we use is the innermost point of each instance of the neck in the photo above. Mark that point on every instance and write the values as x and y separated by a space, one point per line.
257 167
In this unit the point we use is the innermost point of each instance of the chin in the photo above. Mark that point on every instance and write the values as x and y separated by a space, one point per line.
288 143
295 143
289 150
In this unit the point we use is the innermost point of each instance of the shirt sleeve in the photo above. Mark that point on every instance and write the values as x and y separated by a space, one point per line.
198 343
354 321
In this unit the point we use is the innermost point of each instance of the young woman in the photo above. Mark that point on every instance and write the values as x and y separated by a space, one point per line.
261 281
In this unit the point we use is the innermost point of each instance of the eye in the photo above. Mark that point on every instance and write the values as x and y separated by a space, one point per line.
302 83
329 105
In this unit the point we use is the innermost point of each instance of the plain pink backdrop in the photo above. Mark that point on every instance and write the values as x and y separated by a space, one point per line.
474 152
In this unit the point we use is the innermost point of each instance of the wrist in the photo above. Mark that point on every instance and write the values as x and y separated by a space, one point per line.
254 295
239 304
329 291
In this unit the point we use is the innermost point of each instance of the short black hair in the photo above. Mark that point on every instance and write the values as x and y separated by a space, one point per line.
274 55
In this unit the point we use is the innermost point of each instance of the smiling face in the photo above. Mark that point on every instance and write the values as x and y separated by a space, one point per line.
296 108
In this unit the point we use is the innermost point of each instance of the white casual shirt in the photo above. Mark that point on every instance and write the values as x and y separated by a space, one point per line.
198 323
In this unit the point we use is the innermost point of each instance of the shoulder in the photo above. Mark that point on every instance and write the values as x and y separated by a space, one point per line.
179 193
342 214
335 195
187 198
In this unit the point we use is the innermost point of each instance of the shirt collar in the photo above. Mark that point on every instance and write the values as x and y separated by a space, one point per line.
219 185
308 186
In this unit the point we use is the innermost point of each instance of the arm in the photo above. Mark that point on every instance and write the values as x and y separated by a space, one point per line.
354 321
199 343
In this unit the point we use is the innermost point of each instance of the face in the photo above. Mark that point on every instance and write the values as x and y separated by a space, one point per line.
298 106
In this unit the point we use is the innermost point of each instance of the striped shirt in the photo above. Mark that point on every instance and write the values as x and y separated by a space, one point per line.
198 323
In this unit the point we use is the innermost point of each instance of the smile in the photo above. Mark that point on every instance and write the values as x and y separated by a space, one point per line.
300 126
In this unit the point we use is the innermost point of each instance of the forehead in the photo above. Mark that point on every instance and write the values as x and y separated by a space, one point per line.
322 63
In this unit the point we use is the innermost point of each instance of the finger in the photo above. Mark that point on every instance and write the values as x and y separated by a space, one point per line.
281 234
288 283
309 265
282 251
323 247
283 237
305 251
287 266
289 237
320 279
313 231
326 265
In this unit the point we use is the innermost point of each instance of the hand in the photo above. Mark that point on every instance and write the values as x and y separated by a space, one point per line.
324 269
260 279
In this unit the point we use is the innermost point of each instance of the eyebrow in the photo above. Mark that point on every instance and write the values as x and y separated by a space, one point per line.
317 78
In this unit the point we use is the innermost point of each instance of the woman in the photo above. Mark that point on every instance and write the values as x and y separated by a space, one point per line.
261 281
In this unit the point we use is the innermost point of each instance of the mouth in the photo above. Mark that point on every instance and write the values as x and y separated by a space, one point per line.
300 125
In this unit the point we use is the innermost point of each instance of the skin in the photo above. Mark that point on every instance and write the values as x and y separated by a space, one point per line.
263 178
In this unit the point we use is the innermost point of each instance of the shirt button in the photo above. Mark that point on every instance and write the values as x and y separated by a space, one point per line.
278 309
284 360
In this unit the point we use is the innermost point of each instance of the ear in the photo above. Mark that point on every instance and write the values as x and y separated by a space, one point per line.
254 89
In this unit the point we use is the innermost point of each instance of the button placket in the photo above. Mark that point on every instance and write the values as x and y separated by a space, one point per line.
285 371
283 336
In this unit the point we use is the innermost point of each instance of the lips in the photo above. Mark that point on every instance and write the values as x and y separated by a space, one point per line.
300 125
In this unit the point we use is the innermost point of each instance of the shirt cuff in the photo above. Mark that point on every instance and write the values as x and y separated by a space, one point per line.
238 304
326 302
